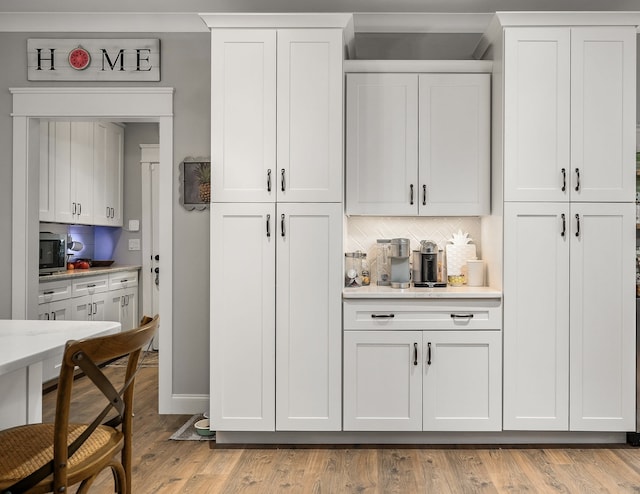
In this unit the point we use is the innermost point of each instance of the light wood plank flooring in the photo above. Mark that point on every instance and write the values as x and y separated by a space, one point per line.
164 466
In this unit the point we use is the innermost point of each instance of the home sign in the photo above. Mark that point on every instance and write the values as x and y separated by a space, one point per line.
93 59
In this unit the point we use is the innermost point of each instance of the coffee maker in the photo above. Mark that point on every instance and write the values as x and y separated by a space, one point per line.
426 265
399 255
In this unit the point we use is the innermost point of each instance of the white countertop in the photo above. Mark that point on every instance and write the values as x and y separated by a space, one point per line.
461 292
24 342
77 273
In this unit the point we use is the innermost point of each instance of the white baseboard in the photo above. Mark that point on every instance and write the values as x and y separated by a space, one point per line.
185 405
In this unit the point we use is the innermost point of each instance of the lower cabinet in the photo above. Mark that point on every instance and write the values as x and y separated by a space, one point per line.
422 380
122 306
89 307
276 316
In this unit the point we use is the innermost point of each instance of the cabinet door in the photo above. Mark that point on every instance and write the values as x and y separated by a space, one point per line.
243 115
462 382
108 169
309 121
536 114
454 118
536 316
603 345
82 171
47 204
382 381
309 317
603 102
81 308
243 317
64 197
130 319
382 144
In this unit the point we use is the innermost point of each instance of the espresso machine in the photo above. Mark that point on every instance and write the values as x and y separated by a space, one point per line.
427 263
399 255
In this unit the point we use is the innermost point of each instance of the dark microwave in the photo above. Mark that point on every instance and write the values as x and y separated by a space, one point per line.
53 252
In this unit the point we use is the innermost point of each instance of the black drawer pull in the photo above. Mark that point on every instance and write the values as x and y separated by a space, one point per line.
383 316
49 292
461 316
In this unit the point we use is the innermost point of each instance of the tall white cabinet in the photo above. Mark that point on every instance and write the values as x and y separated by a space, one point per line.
564 144
276 223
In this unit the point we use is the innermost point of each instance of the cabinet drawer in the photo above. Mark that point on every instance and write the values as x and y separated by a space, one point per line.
89 285
52 291
422 314
123 279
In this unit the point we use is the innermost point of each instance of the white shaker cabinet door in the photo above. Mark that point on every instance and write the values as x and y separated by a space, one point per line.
382 144
454 141
82 171
603 106
243 317
536 316
243 115
309 116
47 209
536 114
603 347
383 380
462 382
64 195
309 317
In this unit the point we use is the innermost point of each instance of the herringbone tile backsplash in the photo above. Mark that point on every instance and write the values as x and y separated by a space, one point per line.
363 231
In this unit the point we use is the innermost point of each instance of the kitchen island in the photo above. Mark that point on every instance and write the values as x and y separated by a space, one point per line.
24 345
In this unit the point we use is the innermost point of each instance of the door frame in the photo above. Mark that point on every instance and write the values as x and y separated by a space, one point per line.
122 104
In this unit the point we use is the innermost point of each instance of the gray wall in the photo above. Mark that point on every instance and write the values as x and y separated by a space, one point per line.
185 67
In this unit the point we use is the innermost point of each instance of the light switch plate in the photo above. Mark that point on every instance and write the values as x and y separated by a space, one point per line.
134 244
134 225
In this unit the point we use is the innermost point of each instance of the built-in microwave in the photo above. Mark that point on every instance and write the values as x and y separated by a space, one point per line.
53 252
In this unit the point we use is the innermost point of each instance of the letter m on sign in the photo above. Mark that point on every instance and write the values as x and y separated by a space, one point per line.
112 65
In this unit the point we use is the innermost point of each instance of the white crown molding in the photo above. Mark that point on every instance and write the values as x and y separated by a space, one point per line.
411 66
101 22
568 18
277 20
168 22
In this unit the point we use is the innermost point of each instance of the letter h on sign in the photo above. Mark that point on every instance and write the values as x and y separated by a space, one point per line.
41 59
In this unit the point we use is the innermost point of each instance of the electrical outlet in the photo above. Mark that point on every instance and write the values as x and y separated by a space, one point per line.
134 244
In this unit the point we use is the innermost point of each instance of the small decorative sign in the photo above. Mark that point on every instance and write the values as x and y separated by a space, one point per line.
93 59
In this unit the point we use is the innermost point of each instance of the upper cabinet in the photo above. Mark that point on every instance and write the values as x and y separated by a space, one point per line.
276 115
81 169
418 144
569 114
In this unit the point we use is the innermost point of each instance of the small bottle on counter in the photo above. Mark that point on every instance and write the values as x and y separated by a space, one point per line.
366 275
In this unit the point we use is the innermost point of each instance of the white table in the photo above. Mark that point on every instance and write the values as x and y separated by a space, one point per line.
23 346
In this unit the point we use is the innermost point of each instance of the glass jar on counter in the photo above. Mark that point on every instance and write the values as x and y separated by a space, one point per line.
366 273
353 269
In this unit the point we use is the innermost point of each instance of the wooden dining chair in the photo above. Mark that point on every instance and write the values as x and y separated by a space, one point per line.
40 458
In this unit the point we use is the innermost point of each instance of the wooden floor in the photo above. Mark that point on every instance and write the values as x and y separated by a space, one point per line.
165 466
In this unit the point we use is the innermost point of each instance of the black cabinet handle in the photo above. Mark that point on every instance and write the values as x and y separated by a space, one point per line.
564 225
282 180
564 179
411 194
73 207
578 177
383 316
415 354
461 316
282 225
424 194
54 315
268 226
577 225
91 286
79 208
269 180
49 292
429 353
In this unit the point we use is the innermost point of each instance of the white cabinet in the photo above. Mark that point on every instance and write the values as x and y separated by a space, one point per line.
445 378
58 310
418 144
382 380
569 99
243 316
122 306
89 307
309 280
81 167
108 166
276 331
569 319
276 121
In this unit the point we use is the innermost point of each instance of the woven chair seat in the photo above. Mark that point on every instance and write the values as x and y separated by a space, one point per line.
26 448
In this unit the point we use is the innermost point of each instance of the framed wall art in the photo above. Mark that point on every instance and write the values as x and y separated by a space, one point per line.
195 183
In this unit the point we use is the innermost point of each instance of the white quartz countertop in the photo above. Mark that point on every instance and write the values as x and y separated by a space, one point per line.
78 273
375 291
24 342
